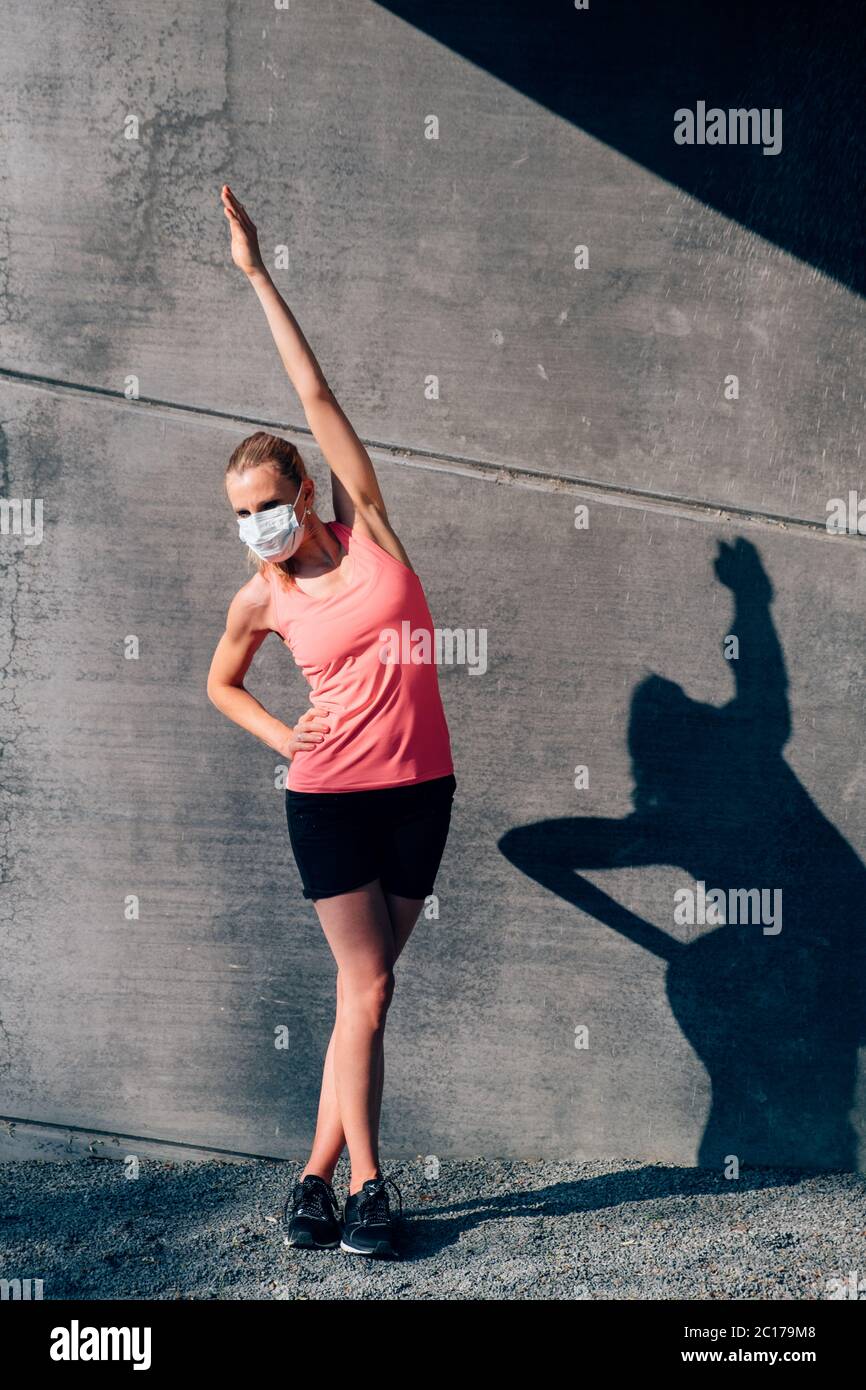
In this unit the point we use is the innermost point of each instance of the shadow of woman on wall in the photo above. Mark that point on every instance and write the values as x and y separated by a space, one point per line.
776 1016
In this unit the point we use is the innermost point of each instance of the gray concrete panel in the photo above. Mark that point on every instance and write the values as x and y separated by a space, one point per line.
447 265
604 650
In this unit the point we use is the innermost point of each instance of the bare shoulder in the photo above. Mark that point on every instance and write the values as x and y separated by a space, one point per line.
374 526
250 609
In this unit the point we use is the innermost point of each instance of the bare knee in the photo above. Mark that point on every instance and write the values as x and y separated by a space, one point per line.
369 997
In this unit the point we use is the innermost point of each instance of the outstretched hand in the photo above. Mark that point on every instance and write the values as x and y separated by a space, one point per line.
739 568
245 241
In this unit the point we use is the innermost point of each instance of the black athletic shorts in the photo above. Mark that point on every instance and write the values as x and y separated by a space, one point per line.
342 840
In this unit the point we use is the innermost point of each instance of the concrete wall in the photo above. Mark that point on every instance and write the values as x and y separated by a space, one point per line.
410 259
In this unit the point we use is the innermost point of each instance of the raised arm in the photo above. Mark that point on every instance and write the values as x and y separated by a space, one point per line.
759 670
358 500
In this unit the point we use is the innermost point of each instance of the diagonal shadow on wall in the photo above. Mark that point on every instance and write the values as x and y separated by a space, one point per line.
776 1017
621 68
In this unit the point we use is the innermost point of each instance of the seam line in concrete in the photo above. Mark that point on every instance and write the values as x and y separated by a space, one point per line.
60 1129
480 469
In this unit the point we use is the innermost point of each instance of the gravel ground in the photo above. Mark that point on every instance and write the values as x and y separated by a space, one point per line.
484 1229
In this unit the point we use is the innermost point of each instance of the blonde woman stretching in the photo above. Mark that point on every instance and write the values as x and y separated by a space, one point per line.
371 779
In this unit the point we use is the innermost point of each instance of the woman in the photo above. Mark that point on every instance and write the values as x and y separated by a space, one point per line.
371 780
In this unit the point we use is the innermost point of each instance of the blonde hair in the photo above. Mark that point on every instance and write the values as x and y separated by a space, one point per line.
252 452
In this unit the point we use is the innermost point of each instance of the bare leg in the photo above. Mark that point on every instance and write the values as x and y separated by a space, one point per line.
330 1139
404 913
358 930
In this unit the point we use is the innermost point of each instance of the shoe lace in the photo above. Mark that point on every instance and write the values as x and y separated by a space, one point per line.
374 1209
314 1199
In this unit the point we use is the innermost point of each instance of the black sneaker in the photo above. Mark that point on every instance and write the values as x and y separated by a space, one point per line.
312 1215
368 1226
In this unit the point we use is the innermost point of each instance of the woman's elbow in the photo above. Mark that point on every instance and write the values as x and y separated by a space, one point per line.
216 691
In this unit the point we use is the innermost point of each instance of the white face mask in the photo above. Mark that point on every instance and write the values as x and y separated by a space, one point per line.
275 534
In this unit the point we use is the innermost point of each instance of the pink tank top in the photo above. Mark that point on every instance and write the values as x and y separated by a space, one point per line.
387 723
